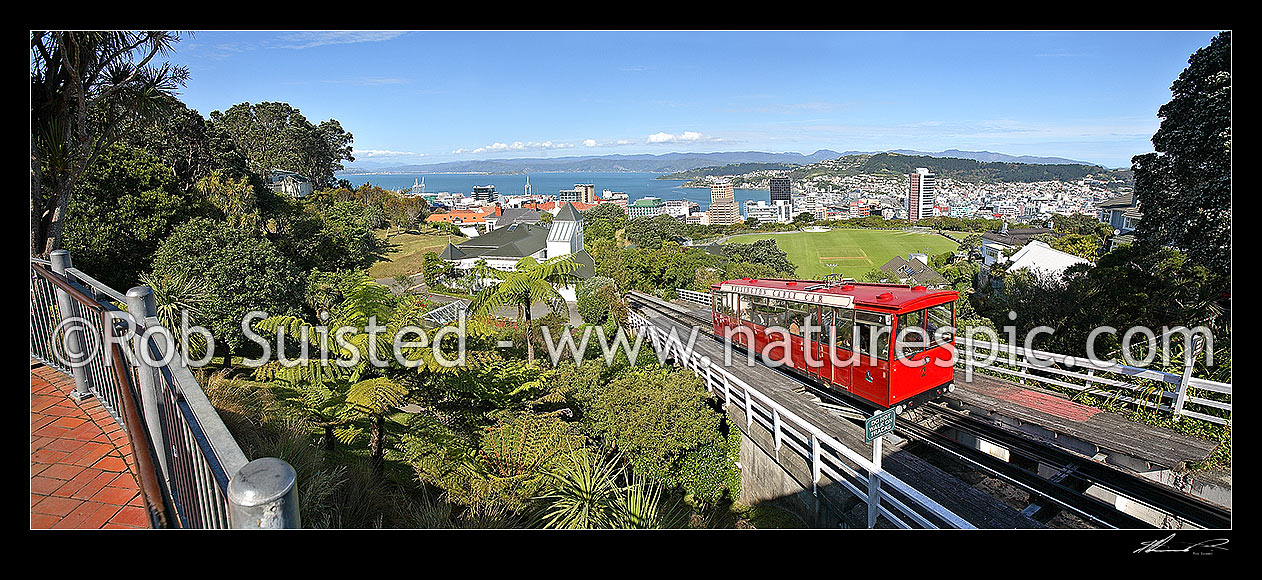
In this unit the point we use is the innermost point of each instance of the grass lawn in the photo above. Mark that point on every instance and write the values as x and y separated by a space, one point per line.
853 251
405 253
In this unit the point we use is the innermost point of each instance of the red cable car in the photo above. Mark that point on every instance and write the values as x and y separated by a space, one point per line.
891 345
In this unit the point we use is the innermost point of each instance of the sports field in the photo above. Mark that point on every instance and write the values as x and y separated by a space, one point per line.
852 251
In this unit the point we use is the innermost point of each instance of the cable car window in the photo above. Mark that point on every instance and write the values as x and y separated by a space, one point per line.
844 325
941 316
746 308
773 311
795 317
873 333
912 337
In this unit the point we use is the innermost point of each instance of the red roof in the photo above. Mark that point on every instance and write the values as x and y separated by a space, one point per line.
900 296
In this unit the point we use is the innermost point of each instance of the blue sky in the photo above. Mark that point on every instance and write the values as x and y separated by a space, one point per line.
427 97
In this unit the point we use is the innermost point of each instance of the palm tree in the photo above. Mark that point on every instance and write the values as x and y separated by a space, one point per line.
530 281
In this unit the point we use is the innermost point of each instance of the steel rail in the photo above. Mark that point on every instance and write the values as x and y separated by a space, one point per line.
1151 493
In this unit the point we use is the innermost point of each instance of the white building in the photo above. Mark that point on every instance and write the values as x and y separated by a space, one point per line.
289 183
680 209
1040 257
781 211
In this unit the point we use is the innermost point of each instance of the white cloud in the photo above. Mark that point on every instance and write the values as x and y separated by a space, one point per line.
614 143
314 38
516 146
685 137
369 153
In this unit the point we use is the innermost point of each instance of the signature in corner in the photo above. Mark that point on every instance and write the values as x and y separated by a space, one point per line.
1164 545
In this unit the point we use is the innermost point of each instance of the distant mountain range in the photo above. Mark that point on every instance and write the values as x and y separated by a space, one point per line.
670 162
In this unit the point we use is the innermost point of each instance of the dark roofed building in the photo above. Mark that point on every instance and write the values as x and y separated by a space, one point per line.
513 216
504 246
912 271
1123 215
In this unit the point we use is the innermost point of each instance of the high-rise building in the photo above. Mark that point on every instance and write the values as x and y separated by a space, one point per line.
681 208
781 189
723 209
920 186
484 193
587 192
582 193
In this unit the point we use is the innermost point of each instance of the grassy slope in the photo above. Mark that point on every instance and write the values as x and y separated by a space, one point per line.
406 252
854 251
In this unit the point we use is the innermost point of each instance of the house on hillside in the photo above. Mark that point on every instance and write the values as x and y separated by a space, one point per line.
994 244
1123 215
289 183
513 216
1039 257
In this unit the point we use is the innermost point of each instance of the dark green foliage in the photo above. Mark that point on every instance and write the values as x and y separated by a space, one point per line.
124 206
242 272
182 140
277 136
651 233
594 298
1184 189
1127 287
764 252
660 419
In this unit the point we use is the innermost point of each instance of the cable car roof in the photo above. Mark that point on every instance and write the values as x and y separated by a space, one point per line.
880 296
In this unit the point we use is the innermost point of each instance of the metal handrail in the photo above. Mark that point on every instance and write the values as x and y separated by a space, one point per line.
200 478
787 428
142 449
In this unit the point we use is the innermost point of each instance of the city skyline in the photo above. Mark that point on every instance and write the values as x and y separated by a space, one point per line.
430 97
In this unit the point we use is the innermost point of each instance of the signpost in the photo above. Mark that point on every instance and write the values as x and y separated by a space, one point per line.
879 425
875 427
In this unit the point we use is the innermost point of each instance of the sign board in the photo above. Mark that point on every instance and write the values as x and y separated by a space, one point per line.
879 425
827 299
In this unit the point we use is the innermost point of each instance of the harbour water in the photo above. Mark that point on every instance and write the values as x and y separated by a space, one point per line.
635 185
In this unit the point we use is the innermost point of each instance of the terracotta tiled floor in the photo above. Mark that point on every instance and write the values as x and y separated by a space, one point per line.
81 463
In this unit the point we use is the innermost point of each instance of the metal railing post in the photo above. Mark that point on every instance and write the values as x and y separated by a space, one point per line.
874 483
141 306
264 495
73 345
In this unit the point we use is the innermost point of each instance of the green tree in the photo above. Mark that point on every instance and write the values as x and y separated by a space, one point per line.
661 422
124 206
651 233
87 89
592 492
595 297
761 252
275 135
1184 188
243 273
530 281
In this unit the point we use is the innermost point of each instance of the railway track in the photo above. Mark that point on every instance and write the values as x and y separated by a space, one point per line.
1074 473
